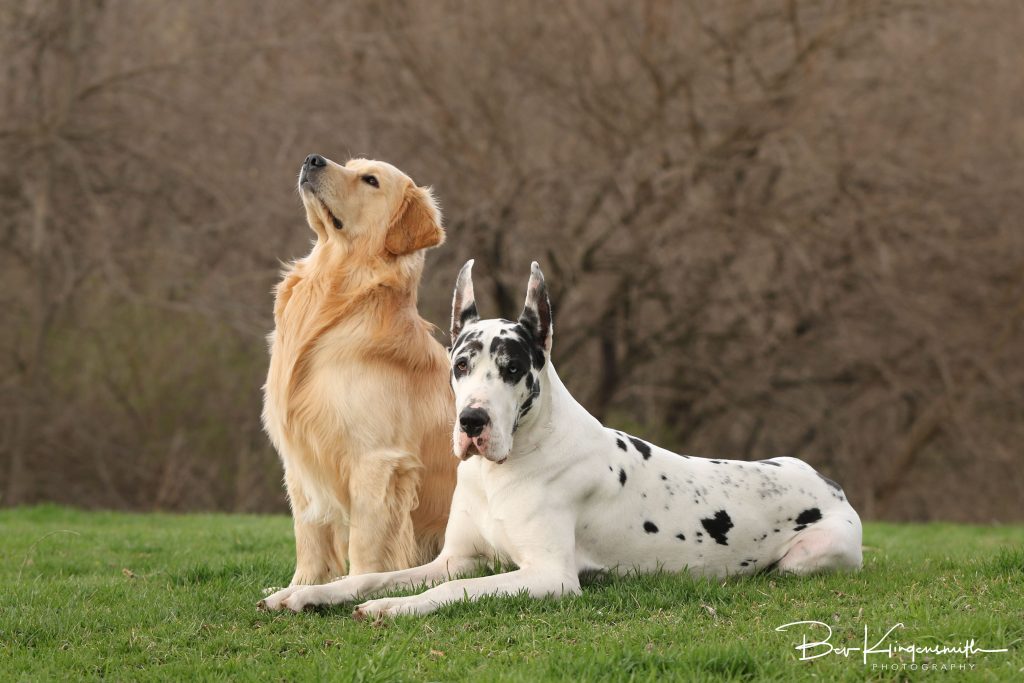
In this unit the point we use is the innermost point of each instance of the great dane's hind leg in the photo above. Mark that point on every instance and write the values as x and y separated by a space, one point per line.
831 544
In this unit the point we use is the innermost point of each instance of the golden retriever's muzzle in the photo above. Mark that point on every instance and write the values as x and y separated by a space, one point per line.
309 179
310 169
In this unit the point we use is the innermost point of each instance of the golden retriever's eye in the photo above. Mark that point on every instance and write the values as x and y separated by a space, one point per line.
371 180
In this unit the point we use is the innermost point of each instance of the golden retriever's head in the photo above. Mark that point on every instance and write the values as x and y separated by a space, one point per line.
368 206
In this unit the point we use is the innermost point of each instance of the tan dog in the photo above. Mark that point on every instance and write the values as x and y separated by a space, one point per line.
358 401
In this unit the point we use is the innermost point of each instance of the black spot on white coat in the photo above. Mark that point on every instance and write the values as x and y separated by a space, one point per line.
516 358
650 527
718 526
468 313
528 403
641 446
807 517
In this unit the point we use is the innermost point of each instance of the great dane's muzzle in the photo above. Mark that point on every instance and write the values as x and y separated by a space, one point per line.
474 432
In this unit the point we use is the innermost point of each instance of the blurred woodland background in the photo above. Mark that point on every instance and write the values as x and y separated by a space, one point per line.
770 227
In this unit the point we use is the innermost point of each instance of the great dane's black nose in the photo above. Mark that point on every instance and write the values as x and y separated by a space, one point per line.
315 161
473 421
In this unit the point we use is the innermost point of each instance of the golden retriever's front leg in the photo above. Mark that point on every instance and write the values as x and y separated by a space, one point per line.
320 548
383 489
316 553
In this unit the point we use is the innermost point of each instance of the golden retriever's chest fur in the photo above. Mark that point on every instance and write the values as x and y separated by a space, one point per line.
355 375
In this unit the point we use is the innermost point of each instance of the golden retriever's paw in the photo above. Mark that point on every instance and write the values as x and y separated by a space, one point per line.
392 607
275 601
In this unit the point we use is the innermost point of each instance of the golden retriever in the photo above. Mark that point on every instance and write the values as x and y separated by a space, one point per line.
357 400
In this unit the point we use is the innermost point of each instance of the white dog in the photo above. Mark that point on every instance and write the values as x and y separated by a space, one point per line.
556 493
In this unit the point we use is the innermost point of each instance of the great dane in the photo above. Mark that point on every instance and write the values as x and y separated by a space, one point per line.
554 492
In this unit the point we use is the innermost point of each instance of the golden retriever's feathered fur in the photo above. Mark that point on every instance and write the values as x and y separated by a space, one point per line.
357 399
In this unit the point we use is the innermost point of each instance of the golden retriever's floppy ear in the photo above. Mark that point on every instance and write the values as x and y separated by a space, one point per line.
416 225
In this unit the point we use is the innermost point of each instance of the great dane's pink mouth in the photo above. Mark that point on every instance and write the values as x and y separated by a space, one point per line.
468 446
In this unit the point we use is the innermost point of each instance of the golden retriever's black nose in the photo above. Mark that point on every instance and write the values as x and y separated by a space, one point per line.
315 161
473 421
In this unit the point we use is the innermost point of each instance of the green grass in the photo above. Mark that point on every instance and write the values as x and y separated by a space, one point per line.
143 597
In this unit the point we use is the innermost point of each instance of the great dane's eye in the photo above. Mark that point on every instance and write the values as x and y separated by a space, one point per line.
461 365
371 180
513 370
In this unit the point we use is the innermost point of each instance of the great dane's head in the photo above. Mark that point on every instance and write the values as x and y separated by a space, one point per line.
496 367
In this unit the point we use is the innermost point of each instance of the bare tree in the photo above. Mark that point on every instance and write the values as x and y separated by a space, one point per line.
771 227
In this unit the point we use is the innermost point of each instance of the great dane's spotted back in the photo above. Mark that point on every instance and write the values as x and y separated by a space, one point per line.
555 492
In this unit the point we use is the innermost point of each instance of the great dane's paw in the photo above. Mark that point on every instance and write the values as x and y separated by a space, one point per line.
275 601
310 597
306 598
391 607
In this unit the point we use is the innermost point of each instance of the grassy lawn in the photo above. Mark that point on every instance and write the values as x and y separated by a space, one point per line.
141 597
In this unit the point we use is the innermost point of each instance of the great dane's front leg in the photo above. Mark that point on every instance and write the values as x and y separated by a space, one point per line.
537 582
460 554
540 538
351 588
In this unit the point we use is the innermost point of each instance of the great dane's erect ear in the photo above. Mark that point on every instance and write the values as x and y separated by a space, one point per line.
536 315
463 302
